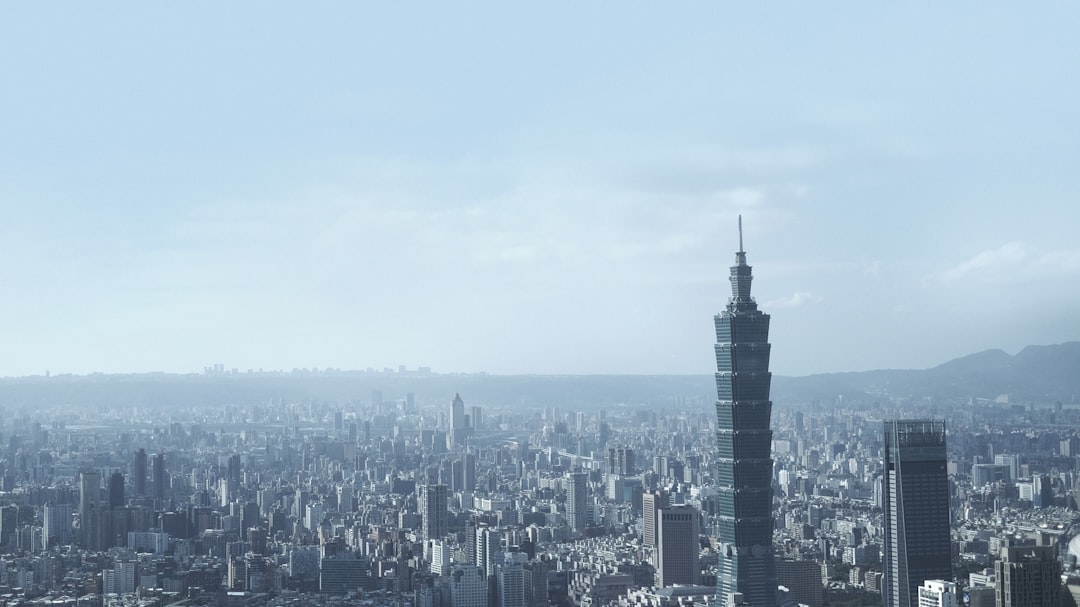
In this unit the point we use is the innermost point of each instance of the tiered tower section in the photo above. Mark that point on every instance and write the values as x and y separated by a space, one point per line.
744 445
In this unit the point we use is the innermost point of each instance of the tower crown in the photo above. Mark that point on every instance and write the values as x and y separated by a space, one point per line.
741 277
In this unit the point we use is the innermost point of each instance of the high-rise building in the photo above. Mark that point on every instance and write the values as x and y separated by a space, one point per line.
512 580
139 473
89 503
937 593
576 500
434 519
1028 576
468 586
651 503
116 490
803 581
620 461
747 563
159 480
440 557
57 519
536 584
459 427
9 518
488 543
916 504
677 548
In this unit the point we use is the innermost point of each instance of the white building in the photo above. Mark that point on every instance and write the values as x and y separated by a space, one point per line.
937 593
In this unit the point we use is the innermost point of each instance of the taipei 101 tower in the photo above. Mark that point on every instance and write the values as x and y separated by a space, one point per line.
744 446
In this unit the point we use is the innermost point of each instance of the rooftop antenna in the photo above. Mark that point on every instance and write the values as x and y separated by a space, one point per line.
740 234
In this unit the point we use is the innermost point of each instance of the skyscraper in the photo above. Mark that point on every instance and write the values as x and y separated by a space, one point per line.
1028 576
651 503
89 503
916 504
512 580
744 441
160 482
576 500
139 474
459 430
433 514
116 490
677 549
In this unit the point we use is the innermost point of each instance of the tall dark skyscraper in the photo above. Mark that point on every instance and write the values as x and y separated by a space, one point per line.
576 500
116 490
1028 576
139 474
159 476
744 445
916 504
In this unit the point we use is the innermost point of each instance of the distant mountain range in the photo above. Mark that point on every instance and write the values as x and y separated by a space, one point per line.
1039 374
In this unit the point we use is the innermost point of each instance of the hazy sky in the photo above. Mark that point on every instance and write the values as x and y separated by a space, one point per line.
533 187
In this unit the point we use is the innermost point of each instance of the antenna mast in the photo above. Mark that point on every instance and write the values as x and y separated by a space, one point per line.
740 234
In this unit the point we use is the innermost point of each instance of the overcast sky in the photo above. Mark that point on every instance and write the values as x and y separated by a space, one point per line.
533 187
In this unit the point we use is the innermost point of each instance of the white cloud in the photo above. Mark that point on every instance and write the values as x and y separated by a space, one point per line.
1014 261
796 300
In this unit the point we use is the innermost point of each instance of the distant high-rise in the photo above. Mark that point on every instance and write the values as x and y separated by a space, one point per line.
916 504
139 474
433 514
468 586
116 490
459 428
576 500
677 546
512 580
89 502
160 483
488 542
620 461
747 564
1028 576
651 503
57 523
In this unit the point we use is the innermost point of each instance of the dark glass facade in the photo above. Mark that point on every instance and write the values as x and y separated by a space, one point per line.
744 446
916 509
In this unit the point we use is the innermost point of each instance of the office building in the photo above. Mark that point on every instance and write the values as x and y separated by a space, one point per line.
747 564
1028 576
576 500
488 545
802 580
512 580
57 523
433 514
160 483
116 490
937 593
536 584
139 473
459 428
677 549
651 503
468 587
916 505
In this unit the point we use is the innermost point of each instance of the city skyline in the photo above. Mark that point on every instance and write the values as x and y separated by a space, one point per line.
363 186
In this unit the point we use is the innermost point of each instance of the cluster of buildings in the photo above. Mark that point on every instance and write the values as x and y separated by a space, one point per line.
399 502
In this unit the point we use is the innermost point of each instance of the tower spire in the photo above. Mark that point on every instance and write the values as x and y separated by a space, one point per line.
740 234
